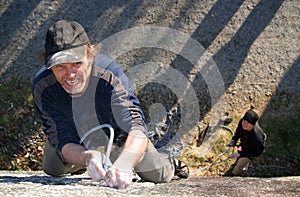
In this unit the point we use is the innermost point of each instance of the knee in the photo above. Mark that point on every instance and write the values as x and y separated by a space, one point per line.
156 177
52 172
160 175
239 171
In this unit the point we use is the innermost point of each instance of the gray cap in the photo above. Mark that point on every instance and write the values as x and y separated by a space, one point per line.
65 43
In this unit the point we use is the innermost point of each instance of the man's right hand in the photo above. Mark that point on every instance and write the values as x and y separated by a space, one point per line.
118 177
231 143
95 165
234 155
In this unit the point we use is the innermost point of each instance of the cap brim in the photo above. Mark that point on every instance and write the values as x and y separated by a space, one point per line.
67 56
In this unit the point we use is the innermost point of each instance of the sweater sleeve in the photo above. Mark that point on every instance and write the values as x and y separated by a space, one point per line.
58 126
120 99
238 132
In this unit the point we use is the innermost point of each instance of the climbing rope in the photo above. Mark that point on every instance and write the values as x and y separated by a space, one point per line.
109 145
216 162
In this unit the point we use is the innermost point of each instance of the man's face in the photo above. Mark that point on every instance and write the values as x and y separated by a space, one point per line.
247 125
73 77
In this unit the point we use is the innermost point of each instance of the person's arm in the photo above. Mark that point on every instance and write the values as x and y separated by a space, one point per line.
238 132
236 135
133 151
118 93
76 154
79 155
120 173
125 107
53 110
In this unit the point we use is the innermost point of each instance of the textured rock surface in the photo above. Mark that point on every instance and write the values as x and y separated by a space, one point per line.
39 184
254 43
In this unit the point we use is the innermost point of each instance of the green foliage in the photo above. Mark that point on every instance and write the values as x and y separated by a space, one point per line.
20 134
218 152
282 146
4 119
286 134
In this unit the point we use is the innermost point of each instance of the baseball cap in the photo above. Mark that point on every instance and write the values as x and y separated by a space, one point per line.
65 43
251 116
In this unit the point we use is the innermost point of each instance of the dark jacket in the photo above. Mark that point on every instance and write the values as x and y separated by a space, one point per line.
252 142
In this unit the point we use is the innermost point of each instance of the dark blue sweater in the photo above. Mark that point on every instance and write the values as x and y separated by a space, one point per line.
109 99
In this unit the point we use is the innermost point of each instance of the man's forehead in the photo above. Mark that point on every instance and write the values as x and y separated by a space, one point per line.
69 64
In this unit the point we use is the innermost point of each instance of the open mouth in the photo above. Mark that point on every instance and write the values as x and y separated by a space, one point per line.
74 86
72 82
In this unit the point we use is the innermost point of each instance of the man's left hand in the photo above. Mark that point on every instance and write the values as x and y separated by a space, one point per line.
118 178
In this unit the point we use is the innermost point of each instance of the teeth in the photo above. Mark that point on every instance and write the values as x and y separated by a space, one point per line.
72 82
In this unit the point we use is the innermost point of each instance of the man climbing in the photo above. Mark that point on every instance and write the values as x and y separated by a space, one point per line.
251 145
78 89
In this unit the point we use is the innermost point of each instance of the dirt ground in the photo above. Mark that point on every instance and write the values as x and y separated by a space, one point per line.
38 184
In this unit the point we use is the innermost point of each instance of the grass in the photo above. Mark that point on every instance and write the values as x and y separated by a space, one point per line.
20 136
282 154
198 162
280 158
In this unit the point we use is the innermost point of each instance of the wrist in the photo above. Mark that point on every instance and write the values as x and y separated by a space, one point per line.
88 155
93 155
123 165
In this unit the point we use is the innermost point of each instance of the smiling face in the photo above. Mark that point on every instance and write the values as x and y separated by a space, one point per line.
74 77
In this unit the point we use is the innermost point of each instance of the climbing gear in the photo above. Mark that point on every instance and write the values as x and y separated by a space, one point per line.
164 139
217 160
209 128
109 145
181 169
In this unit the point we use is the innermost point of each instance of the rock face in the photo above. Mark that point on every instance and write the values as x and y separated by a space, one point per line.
205 57
254 46
39 184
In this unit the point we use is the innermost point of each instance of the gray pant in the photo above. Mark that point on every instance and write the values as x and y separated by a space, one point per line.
154 167
241 166
54 166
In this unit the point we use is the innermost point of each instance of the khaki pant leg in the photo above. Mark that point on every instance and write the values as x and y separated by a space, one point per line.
53 165
155 167
241 166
